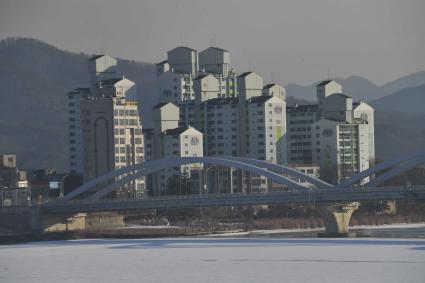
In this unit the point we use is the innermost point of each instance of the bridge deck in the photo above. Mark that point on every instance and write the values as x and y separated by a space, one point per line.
313 197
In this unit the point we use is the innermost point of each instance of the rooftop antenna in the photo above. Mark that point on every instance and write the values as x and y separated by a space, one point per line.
249 65
329 72
212 42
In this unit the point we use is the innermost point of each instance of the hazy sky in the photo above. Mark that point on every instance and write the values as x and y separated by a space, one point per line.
288 41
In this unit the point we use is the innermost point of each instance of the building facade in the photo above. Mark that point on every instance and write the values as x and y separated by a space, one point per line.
222 105
335 133
76 157
105 130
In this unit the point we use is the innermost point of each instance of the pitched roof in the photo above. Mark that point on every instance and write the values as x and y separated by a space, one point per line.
259 99
175 131
217 48
340 94
184 47
110 81
201 76
269 86
96 57
245 74
221 100
324 83
159 105
162 62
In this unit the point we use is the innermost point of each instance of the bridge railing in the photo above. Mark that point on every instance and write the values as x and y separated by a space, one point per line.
313 194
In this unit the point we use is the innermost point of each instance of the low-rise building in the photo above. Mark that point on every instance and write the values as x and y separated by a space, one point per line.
10 175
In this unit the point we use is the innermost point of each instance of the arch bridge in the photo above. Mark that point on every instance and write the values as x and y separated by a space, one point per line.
336 200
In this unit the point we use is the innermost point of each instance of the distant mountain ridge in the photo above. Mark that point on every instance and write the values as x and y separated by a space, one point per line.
35 77
409 100
360 88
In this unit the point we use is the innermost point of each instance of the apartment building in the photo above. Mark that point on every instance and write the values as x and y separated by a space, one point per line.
181 142
112 137
105 131
317 133
76 157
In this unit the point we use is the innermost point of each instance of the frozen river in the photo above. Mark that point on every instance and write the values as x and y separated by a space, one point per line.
215 260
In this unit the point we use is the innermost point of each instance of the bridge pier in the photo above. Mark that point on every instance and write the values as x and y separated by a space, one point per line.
336 218
35 220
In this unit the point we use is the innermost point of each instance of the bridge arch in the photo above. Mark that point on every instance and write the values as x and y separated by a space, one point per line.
402 162
395 171
259 167
142 169
282 169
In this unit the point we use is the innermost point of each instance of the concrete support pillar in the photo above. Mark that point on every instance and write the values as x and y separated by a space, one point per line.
35 220
337 218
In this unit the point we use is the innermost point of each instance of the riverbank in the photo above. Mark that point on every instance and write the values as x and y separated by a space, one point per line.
407 230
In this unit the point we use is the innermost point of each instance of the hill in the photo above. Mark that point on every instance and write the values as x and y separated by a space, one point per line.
35 77
397 133
360 88
408 100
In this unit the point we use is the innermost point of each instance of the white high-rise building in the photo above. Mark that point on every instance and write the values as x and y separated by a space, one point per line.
326 88
363 111
167 139
299 119
266 128
101 67
250 85
215 60
104 125
206 87
222 108
181 142
219 123
341 148
184 60
175 87
112 138
76 157
318 134
176 75
265 131
274 90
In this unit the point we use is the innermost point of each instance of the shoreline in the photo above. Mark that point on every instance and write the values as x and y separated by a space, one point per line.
396 230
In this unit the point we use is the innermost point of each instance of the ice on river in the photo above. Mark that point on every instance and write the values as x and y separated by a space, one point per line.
215 260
